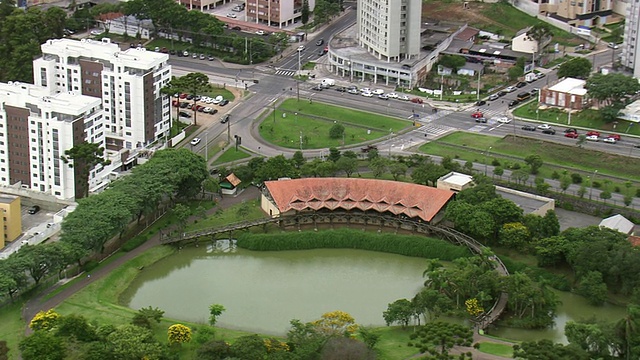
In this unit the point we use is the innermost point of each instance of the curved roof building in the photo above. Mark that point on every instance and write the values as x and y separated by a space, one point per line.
382 196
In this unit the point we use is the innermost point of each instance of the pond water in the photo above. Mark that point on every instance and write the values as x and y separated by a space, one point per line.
263 291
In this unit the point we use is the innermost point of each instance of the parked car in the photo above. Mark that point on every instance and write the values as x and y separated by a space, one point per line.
211 58
341 89
534 91
353 91
612 45
260 32
231 15
317 88
319 42
189 97
236 28
477 115
207 110
572 135
592 138
225 119
194 56
34 209
377 92
544 126
185 114
481 120
529 128
184 104
549 131
501 93
195 141
224 102
610 140
392 95
203 57
185 53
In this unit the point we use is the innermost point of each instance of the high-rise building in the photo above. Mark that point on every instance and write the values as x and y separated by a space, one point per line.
135 113
10 218
36 127
631 46
390 29
276 12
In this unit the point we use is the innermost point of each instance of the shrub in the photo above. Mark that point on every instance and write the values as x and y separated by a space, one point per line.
134 242
597 184
515 166
576 178
617 189
90 265
495 162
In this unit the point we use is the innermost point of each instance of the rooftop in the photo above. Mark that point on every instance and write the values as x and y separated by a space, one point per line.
528 204
398 198
618 223
457 178
7 199
19 94
570 86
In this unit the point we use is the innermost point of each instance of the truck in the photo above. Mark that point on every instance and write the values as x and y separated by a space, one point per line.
328 82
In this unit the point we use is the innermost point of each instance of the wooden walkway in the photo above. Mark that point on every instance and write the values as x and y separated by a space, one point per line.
361 219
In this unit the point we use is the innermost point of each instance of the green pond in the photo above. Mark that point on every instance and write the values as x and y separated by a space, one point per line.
263 291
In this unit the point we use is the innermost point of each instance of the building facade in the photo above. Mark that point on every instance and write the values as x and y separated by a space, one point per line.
36 127
568 94
631 44
10 221
390 29
276 12
128 83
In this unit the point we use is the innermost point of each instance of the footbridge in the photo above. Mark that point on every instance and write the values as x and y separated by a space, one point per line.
305 220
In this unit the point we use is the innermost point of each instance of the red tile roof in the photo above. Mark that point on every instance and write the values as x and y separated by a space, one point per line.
412 200
233 180
467 34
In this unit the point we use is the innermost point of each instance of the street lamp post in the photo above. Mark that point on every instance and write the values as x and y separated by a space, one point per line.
570 109
300 140
486 160
591 183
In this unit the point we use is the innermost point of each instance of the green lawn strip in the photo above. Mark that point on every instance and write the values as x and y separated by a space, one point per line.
496 349
552 153
221 218
12 329
393 341
588 118
219 91
231 155
309 66
342 115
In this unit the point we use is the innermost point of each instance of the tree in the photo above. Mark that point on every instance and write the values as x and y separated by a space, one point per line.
397 170
368 336
181 213
546 349
145 316
249 347
498 171
453 62
340 348
44 320
578 67
612 88
593 288
4 349
276 167
84 157
76 326
304 339
438 338
305 12
42 345
129 342
194 84
336 323
550 251
298 159
215 310
213 350
514 235
535 162
541 33
378 166
400 311
178 334
336 131
590 337
347 164
334 154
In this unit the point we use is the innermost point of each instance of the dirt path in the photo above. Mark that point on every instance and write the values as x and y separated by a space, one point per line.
36 304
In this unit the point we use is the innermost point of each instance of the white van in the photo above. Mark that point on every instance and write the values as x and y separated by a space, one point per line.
329 82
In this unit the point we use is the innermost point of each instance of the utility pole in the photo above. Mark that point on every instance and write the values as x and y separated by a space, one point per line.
478 92
229 132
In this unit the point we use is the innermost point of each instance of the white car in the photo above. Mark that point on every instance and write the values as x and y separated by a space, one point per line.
195 141
365 90
204 99
404 98
510 89
592 138
544 126
493 97
383 97
231 15
392 95
353 91
260 32
96 32
610 140
367 94
502 119
301 48
378 92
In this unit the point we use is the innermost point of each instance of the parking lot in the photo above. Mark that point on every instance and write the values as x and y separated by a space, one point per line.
207 107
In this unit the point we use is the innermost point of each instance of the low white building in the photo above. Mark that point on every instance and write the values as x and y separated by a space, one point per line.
130 25
568 93
455 181
36 127
618 223
524 43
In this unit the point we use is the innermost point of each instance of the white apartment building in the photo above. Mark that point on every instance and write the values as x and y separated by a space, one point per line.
631 46
36 127
390 29
135 113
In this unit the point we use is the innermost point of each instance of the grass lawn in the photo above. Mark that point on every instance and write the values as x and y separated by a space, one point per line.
496 349
221 218
219 90
587 118
393 343
231 155
552 153
315 120
12 329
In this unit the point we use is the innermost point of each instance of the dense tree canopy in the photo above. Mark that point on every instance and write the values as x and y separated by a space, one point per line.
579 67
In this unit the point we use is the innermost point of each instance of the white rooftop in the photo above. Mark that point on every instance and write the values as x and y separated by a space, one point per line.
618 223
457 178
104 50
18 94
631 112
570 86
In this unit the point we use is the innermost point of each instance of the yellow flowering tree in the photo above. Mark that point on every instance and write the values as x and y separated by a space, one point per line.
44 320
179 334
473 307
275 345
336 323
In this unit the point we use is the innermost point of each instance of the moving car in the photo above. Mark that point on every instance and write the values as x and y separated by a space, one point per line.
480 102
513 103
260 32
301 48
392 95
353 91
383 97
593 133
494 97
570 130
319 42
225 119
510 89
549 131
367 94
481 120
503 120
231 15
417 100
521 84
34 209
612 45
616 137
195 141
572 135
610 140
544 126
378 92
477 114
592 138
341 89
529 128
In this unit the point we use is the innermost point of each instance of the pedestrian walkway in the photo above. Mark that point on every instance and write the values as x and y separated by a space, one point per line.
435 130
286 73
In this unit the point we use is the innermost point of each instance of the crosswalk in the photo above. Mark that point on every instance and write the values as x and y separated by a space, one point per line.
435 130
435 116
287 73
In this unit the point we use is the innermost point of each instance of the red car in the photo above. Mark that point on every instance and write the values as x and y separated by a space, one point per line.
477 115
573 135
417 100
175 103
614 136
594 133
182 96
